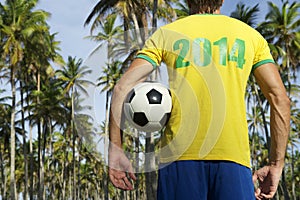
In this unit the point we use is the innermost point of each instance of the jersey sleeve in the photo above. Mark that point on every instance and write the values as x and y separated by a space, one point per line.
262 53
153 49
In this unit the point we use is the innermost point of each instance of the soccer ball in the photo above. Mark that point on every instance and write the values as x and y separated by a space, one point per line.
148 106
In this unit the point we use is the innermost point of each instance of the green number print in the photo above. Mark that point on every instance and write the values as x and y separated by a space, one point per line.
202 52
237 53
184 46
222 43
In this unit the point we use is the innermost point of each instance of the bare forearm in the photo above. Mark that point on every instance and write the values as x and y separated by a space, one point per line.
115 117
280 126
270 82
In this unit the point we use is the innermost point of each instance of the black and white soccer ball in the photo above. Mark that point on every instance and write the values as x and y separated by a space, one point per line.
148 106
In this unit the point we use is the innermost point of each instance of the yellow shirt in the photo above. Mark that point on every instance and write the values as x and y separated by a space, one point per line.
209 60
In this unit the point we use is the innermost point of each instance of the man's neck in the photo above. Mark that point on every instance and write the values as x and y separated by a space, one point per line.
217 12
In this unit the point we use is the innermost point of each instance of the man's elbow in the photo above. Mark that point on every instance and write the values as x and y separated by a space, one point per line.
118 88
280 102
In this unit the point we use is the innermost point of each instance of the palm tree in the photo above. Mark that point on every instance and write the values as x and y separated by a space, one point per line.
18 22
42 48
104 7
84 126
51 111
246 14
182 9
164 11
72 76
5 113
133 13
109 35
281 29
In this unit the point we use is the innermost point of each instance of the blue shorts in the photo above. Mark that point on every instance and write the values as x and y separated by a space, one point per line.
205 180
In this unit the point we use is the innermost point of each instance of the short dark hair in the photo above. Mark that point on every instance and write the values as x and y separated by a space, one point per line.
204 6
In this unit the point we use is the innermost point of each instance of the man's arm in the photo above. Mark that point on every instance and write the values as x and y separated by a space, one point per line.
270 82
119 165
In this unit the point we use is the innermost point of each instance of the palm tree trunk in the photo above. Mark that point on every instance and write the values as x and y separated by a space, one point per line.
31 162
126 33
289 87
25 193
70 190
3 177
294 195
150 171
41 163
253 144
284 186
51 168
41 144
260 104
154 14
65 167
40 159
31 167
64 176
137 159
13 190
74 143
74 168
105 174
137 30
144 25
78 168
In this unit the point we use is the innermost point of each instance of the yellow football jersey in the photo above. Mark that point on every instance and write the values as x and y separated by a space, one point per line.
209 59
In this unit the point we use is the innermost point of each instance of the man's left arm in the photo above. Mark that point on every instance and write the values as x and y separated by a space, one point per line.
119 165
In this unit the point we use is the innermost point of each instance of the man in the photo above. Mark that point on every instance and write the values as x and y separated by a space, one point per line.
205 148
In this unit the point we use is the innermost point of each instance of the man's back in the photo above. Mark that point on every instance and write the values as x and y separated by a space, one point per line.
209 59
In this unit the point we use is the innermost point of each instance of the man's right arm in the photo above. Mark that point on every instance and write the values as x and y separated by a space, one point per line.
269 80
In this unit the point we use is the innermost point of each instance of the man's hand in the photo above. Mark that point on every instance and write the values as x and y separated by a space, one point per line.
120 170
268 179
